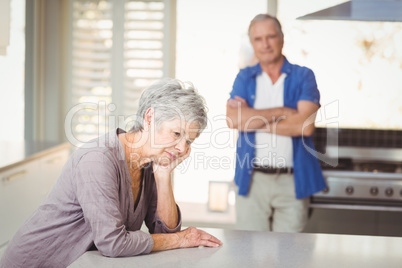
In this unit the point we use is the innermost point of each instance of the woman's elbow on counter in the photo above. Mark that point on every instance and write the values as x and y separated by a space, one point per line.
109 252
110 249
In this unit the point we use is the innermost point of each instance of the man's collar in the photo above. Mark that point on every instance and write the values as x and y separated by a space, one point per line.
286 68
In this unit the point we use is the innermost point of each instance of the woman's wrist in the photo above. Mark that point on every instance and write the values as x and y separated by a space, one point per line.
167 241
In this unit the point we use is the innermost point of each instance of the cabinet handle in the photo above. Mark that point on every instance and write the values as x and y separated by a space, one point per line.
15 175
54 160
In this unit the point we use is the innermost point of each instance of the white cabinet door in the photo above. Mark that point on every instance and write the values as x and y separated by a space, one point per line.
49 170
18 191
23 188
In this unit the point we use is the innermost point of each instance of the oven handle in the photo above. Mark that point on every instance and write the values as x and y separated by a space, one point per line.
355 207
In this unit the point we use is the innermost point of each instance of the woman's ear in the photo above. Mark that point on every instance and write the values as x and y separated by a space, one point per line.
148 118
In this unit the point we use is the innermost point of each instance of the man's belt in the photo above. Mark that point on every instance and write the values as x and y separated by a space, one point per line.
273 170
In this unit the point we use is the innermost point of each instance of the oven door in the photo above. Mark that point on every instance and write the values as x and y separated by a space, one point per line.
358 203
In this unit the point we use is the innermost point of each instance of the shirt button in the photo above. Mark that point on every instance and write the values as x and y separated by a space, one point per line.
252 96
159 222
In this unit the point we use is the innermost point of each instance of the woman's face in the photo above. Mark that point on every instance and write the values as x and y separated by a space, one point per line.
172 140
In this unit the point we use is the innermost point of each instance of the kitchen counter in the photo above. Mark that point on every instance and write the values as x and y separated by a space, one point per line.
267 249
13 153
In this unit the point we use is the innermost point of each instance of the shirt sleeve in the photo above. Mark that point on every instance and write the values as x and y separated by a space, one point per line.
309 90
239 87
97 188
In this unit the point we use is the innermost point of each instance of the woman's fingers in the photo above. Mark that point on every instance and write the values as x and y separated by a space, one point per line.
210 239
210 244
195 237
182 158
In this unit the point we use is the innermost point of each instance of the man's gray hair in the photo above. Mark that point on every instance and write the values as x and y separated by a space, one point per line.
262 17
171 99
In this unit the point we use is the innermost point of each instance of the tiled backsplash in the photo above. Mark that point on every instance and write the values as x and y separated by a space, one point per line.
357 138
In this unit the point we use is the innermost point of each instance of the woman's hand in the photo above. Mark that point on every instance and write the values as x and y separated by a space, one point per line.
188 238
165 166
193 237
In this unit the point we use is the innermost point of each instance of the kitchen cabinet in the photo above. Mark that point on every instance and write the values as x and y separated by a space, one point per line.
355 222
25 183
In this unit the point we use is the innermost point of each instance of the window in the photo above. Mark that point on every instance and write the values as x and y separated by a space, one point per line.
12 61
118 49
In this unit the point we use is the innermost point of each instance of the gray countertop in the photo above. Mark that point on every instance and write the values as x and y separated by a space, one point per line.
13 152
266 249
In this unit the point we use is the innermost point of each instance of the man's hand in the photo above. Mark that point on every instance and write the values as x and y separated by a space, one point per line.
238 102
236 110
298 123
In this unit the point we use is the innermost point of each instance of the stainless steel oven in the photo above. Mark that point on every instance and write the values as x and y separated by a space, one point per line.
363 194
365 178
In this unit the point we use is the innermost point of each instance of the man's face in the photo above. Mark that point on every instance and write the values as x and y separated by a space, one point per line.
267 41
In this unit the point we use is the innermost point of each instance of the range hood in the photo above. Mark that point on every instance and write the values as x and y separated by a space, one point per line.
360 10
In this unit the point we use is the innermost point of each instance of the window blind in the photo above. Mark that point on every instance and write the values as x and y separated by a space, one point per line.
143 49
118 49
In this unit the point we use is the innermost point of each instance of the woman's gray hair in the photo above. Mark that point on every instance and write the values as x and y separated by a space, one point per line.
262 17
171 99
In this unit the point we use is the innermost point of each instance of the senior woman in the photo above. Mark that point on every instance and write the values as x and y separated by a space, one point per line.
105 192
